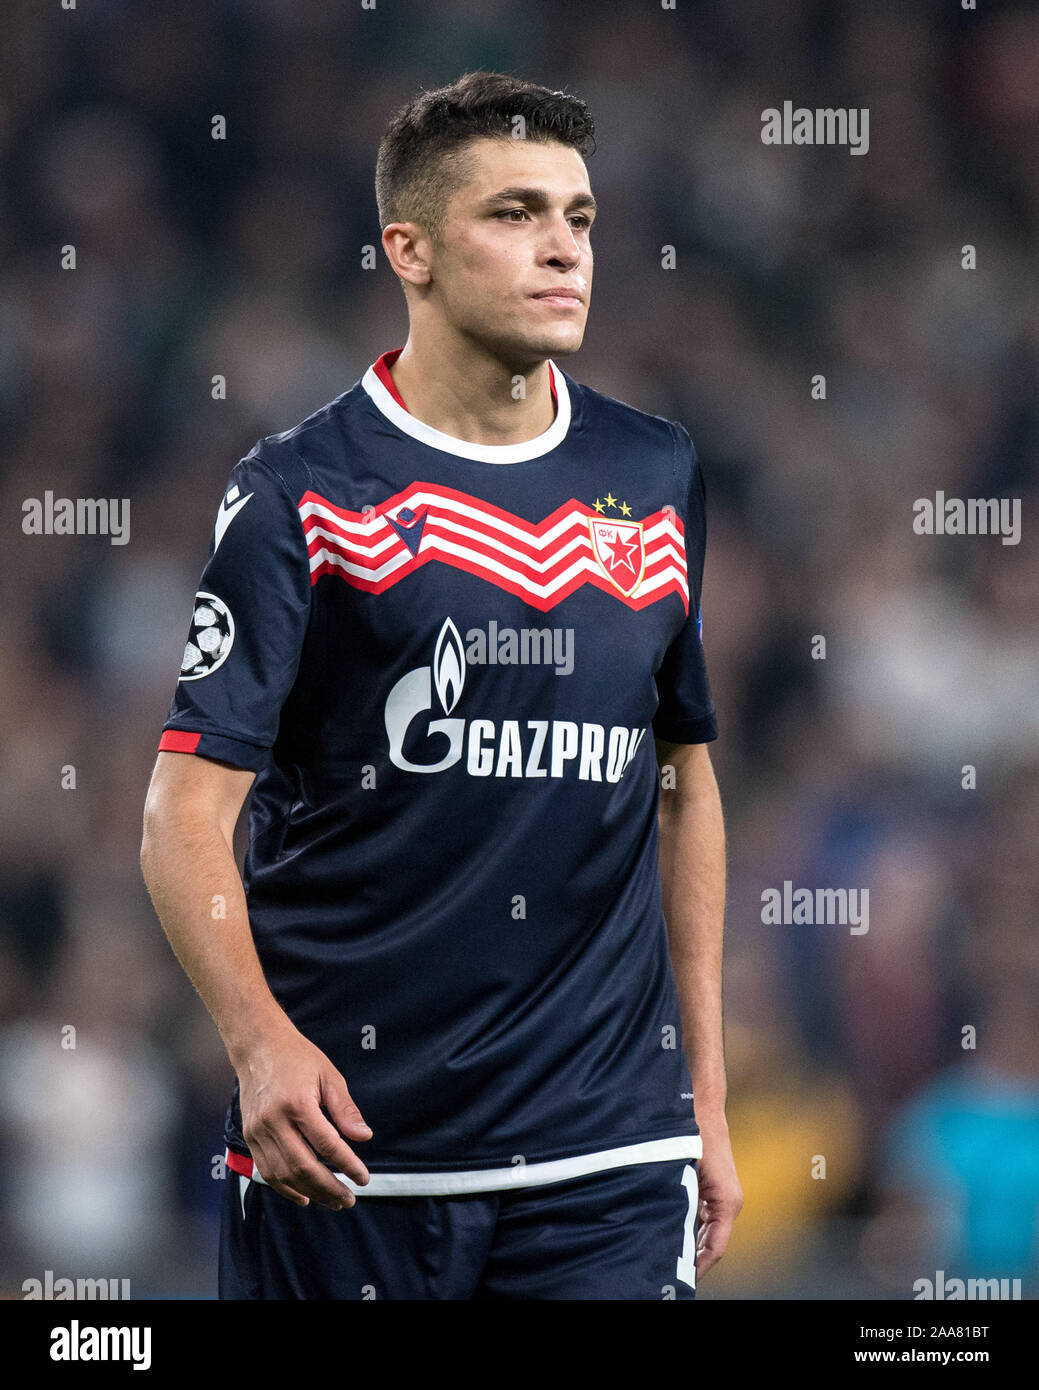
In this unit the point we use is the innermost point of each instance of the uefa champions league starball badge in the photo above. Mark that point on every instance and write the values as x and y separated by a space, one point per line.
210 638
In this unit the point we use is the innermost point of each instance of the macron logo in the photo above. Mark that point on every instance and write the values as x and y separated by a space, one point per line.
229 509
408 525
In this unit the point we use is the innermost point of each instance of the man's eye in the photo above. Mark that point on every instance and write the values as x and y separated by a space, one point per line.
583 222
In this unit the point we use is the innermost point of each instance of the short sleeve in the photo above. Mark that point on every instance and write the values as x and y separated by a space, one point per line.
248 623
685 713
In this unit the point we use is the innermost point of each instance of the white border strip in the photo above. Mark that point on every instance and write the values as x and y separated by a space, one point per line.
521 1174
482 453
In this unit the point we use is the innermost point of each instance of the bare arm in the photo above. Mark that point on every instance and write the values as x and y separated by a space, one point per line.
187 858
692 869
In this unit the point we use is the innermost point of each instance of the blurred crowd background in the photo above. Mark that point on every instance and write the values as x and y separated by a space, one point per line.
243 257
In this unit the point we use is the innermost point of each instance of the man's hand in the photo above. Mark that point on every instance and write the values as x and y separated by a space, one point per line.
187 856
721 1197
284 1080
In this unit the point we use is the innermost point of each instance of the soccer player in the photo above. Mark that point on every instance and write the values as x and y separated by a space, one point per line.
470 979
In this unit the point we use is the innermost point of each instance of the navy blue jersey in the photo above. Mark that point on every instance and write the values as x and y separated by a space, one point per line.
447 662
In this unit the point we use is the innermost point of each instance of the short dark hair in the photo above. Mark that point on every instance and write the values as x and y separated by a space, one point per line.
421 160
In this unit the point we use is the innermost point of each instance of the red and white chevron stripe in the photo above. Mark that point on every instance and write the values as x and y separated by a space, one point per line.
541 563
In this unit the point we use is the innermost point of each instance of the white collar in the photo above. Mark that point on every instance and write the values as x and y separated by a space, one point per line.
482 453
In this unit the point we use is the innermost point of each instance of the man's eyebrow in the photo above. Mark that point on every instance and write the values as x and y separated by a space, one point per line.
537 199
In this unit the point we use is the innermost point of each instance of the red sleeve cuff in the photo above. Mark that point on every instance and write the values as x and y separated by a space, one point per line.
220 747
177 741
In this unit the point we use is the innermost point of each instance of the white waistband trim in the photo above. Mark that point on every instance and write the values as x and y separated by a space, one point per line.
522 1174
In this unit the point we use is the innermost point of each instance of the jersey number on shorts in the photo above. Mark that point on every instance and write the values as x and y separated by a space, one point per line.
686 1270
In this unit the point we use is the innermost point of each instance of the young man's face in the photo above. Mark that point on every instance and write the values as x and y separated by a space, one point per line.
514 266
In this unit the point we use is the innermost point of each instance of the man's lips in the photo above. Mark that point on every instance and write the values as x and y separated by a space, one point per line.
567 296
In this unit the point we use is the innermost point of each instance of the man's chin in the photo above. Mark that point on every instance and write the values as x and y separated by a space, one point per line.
570 345
522 351
560 344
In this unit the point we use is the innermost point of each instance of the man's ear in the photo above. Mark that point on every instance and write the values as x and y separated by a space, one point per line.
408 248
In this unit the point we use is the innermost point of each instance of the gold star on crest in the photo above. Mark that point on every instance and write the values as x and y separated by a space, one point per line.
611 501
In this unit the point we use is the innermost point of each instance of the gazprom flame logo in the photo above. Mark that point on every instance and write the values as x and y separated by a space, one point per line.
413 695
449 666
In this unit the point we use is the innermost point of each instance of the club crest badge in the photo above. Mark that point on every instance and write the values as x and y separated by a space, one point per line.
620 549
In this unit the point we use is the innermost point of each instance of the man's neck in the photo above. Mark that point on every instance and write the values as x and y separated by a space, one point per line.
472 396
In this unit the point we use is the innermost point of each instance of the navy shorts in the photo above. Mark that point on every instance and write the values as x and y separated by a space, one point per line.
625 1233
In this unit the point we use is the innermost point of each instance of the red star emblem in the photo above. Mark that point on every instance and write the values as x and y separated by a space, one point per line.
616 558
620 551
